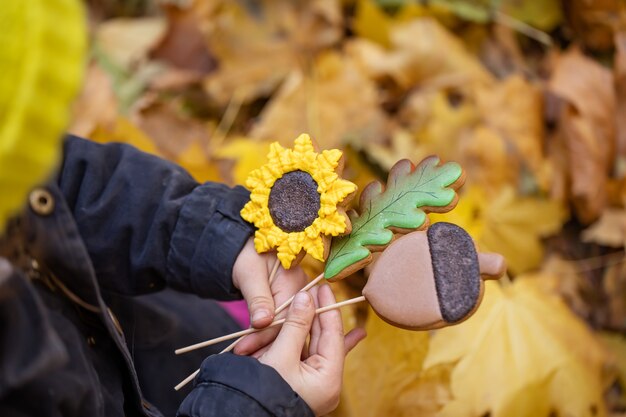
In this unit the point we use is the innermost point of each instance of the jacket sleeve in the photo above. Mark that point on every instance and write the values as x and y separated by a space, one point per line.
146 223
241 386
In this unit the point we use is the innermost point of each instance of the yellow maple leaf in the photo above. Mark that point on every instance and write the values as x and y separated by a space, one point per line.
195 160
257 46
372 23
381 368
421 50
248 155
123 131
506 223
522 354
334 102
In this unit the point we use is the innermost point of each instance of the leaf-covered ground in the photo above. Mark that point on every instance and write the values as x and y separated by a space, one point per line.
528 96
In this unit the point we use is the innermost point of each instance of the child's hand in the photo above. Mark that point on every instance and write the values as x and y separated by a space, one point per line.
251 276
314 373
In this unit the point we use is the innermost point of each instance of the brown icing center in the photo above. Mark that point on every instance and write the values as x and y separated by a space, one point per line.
294 201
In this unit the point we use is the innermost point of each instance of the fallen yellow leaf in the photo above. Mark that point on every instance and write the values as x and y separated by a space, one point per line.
506 223
334 103
382 367
195 160
422 50
520 345
248 155
257 50
123 131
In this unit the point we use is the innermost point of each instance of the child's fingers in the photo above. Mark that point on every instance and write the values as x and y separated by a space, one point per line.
292 337
316 328
287 283
261 352
255 341
256 291
353 338
331 339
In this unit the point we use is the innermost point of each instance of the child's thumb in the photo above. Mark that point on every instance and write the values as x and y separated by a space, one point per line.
293 335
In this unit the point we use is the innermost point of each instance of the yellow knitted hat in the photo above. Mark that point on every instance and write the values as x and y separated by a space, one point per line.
42 47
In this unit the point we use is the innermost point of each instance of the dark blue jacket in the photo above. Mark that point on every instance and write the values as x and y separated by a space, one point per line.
88 326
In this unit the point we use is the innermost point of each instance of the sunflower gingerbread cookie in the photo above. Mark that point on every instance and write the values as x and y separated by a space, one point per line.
297 201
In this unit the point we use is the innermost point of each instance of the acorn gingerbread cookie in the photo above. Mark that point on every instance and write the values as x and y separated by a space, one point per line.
430 279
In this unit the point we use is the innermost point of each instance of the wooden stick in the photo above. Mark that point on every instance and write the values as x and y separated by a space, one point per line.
186 380
278 310
246 331
274 271
252 330
306 288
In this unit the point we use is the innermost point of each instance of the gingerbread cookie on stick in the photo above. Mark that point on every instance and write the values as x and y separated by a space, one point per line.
297 201
422 281
430 279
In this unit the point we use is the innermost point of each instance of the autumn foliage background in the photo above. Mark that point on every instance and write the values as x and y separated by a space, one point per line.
528 95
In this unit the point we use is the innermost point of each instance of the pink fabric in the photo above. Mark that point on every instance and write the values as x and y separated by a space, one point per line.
238 311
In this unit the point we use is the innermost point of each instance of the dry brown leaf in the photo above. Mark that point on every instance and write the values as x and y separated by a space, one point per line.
183 44
128 41
513 108
566 280
614 284
422 50
616 344
258 46
334 103
591 21
171 131
587 126
96 105
609 230
619 71
485 157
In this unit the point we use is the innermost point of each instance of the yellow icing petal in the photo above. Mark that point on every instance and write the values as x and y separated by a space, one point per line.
274 154
285 255
337 191
324 179
260 196
333 224
295 241
303 145
261 243
249 212
329 159
313 231
315 248
255 179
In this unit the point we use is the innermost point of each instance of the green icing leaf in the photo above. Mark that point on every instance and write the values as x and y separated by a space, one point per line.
400 206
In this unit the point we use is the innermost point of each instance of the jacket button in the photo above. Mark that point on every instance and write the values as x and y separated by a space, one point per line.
41 201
